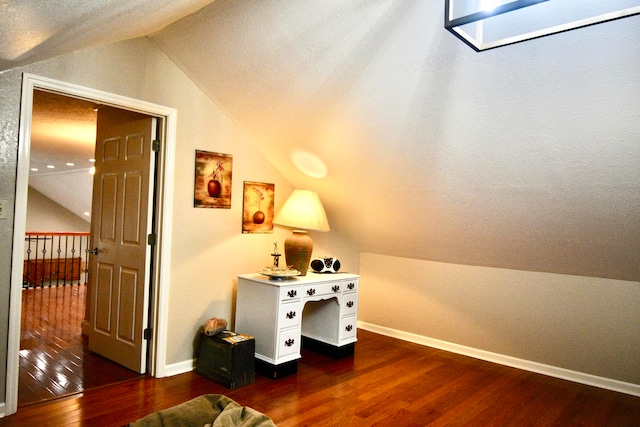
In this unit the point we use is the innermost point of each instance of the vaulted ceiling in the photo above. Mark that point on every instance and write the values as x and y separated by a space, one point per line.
525 157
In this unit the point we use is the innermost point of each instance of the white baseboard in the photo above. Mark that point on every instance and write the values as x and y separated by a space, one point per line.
180 367
527 365
3 412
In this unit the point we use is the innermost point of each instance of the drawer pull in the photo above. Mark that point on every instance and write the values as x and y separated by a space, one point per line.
292 293
350 304
311 291
348 328
289 342
336 288
351 286
291 315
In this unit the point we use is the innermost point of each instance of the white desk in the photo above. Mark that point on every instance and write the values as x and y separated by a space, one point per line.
278 313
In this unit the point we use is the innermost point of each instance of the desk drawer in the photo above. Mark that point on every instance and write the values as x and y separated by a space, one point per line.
350 285
321 289
290 314
290 293
289 342
348 327
350 304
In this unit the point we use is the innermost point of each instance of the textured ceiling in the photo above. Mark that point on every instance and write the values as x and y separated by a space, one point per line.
522 157
63 135
33 30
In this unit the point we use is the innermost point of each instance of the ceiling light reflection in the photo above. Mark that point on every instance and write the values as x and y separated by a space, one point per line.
309 164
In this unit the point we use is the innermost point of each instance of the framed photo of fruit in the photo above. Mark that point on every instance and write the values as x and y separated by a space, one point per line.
212 187
257 207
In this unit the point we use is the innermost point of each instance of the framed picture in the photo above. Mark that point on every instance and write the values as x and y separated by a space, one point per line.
257 207
212 187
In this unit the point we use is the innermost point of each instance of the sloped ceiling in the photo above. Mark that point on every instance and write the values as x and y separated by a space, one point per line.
523 157
33 30
63 139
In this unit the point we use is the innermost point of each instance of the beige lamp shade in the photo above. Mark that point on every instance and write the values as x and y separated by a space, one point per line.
302 211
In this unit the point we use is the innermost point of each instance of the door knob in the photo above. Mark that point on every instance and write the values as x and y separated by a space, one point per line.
93 251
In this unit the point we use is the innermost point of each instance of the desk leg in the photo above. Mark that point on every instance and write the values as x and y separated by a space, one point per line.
276 371
328 349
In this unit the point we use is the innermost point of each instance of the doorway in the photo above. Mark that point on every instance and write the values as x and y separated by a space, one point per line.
55 358
161 252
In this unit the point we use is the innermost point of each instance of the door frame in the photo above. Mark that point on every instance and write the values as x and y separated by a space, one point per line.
165 168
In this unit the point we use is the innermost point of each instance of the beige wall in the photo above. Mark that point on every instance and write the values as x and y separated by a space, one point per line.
208 248
582 324
43 214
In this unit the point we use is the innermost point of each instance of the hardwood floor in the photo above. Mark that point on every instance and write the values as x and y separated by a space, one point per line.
54 358
386 382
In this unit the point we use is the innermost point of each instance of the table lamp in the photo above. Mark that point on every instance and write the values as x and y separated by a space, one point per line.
302 211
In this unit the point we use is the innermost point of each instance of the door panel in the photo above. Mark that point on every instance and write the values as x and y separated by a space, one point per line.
127 324
131 222
119 271
104 289
107 214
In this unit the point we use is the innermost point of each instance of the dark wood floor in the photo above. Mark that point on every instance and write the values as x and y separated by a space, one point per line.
54 359
387 382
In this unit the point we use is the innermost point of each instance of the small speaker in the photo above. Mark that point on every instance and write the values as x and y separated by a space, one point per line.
325 265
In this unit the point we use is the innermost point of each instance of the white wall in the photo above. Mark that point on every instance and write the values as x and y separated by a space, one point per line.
578 323
582 324
208 247
524 157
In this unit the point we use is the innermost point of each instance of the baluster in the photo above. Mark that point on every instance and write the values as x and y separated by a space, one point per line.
73 256
86 263
44 254
27 269
58 263
66 256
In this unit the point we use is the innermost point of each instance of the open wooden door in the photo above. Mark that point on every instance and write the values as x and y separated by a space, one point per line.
120 223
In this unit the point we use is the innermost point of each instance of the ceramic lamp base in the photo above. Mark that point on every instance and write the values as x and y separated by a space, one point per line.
297 251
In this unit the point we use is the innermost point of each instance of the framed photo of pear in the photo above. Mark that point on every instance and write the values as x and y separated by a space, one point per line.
212 188
257 207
